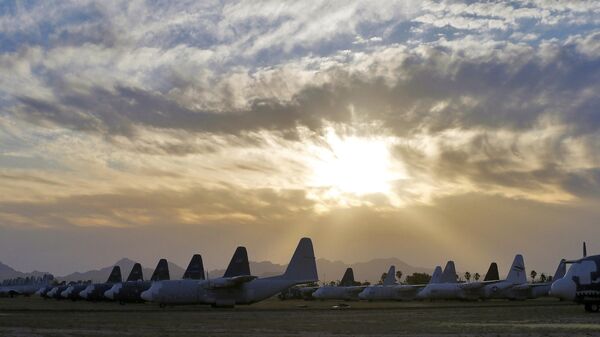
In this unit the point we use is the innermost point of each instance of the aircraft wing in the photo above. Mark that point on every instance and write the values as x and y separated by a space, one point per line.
526 286
357 289
230 282
476 285
409 287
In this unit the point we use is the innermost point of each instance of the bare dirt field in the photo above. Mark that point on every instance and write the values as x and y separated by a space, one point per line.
546 317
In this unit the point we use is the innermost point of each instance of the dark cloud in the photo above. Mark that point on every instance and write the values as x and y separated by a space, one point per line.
493 91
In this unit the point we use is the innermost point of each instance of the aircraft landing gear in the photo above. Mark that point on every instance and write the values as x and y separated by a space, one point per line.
592 307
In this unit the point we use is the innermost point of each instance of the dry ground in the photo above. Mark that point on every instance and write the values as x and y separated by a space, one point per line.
547 317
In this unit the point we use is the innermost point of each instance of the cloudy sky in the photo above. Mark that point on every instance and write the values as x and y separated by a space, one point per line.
423 130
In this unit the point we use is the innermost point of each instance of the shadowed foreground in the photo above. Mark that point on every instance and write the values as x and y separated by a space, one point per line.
547 317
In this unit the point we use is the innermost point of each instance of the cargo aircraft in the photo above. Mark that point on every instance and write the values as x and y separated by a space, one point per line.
390 290
237 286
346 290
95 292
132 288
581 283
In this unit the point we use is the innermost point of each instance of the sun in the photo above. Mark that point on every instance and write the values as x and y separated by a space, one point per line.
354 165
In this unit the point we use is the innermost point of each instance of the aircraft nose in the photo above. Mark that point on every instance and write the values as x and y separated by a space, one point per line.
317 294
147 295
112 292
363 295
84 294
564 289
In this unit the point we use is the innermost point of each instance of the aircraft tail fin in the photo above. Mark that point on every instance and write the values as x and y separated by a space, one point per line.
449 273
115 275
302 267
161 272
517 271
348 278
492 273
136 273
195 269
436 277
560 271
390 278
239 264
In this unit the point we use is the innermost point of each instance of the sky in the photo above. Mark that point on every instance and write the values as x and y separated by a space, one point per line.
423 130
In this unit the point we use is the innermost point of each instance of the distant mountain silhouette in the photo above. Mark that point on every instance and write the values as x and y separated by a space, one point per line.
100 275
7 272
333 270
328 270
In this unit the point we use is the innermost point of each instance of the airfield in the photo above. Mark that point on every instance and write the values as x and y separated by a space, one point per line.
34 316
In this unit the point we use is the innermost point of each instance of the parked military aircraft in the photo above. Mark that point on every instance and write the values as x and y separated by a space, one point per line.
346 290
131 290
239 266
20 289
95 292
581 283
241 288
24 286
487 289
56 291
73 290
535 290
390 290
449 288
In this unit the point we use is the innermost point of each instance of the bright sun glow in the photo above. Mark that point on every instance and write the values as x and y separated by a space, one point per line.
355 165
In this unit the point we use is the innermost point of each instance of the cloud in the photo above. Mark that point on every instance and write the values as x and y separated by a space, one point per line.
134 113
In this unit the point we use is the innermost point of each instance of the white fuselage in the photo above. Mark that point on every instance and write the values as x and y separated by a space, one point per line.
337 293
499 290
209 291
586 289
441 291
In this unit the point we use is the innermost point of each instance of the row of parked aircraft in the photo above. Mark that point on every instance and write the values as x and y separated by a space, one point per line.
237 286
444 285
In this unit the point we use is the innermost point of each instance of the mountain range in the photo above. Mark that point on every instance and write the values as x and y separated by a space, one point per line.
328 270
7 272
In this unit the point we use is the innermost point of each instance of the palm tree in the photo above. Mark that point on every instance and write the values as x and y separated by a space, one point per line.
533 274
477 276
399 275
467 276
383 276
